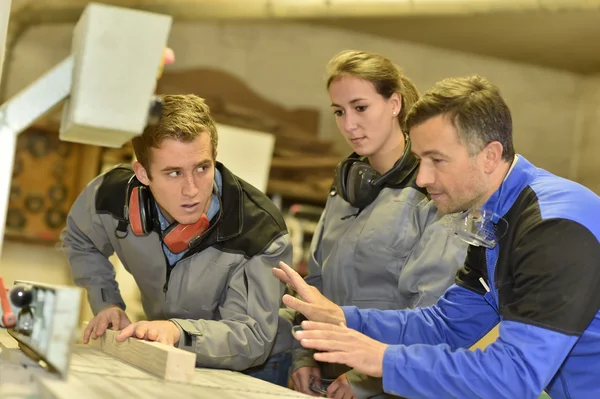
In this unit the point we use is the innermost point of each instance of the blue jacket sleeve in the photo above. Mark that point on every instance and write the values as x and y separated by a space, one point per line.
520 364
459 319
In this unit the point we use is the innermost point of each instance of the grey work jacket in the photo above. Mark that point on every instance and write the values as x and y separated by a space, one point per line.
395 254
221 294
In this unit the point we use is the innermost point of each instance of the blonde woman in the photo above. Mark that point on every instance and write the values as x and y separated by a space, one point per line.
379 243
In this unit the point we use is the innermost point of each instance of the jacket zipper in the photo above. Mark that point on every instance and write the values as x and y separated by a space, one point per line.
169 266
491 296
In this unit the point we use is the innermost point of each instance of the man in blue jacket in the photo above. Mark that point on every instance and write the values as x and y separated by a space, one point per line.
533 266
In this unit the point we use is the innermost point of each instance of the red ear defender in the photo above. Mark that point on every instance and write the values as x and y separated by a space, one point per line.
135 216
179 237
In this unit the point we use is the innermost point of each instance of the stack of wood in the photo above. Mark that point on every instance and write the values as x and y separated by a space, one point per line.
303 164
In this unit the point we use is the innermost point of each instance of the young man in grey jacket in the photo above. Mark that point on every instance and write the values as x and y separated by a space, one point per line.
199 241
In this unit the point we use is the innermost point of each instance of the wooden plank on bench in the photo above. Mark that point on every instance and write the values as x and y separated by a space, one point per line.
163 361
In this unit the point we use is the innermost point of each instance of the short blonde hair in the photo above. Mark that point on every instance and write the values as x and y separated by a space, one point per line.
183 118
385 76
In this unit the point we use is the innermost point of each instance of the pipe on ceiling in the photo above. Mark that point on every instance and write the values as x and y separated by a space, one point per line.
69 10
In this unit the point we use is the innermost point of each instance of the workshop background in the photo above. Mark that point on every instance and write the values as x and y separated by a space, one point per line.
261 66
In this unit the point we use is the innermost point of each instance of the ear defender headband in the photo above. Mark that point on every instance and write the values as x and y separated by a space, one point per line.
358 183
177 237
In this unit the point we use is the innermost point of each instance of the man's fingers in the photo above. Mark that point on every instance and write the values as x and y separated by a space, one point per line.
324 332
153 335
126 333
88 331
296 382
168 56
333 388
319 326
115 320
302 385
324 345
280 274
101 326
297 304
141 331
304 380
125 321
301 379
296 281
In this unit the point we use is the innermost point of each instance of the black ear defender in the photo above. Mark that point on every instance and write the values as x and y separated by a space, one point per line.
359 184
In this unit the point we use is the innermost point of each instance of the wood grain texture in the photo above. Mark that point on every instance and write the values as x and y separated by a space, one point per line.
91 386
96 374
166 362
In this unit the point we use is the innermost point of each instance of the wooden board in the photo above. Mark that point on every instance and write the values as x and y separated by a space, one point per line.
96 374
166 362
220 87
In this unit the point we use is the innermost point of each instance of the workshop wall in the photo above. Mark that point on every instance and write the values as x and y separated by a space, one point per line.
286 63
586 167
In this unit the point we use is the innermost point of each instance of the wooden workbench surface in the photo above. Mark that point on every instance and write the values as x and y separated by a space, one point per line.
95 374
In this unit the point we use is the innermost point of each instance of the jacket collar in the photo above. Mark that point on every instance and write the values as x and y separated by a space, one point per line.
230 221
505 196
401 177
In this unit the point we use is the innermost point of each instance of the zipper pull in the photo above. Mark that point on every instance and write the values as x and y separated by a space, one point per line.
482 281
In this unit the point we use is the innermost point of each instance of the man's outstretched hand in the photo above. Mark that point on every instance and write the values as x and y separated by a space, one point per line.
340 344
314 306
163 331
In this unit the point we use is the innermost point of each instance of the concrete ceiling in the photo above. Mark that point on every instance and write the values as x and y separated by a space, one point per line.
552 33
566 40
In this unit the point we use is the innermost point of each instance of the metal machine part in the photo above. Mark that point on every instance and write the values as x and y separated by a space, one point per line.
21 296
43 319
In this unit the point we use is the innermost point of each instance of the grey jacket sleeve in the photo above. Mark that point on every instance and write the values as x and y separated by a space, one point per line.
315 260
86 244
302 357
428 272
433 262
245 334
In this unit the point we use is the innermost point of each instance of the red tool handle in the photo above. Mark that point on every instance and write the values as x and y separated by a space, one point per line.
8 317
